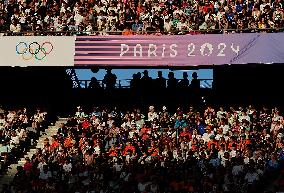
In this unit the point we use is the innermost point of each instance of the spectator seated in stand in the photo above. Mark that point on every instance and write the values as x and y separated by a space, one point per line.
16 133
104 17
187 150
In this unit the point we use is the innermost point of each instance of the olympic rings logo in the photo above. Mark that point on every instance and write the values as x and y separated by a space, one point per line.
34 50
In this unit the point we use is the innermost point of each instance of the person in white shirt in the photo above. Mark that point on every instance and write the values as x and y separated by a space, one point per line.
225 158
215 162
5 148
251 177
144 15
15 27
276 116
78 19
244 116
125 176
182 24
196 135
237 169
10 116
2 122
178 11
175 154
152 114
79 113
221 113
131 133
221 152
264 4
219 134
67 167
118 167
21 133
58 25
233 152
41 165
168 25
127 123
154 188
15 140
97 149
45 174
142 186
206 136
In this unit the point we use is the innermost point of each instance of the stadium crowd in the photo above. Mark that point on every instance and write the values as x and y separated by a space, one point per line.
187 150
140 16
18 129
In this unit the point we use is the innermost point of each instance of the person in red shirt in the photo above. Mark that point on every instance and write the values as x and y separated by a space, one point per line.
54 144
232 142
128 148
85 124
184 4
144 133
112 152
194 145
208 6
67 142
153 150
185 134
28 165
212 142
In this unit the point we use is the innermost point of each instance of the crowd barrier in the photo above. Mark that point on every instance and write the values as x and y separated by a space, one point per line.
125 83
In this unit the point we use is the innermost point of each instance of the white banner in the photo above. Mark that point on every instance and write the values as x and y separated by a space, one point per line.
37 51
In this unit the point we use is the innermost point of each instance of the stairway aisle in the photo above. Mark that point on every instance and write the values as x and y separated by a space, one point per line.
8 177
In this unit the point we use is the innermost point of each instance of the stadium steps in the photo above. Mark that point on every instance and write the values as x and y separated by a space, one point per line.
8 177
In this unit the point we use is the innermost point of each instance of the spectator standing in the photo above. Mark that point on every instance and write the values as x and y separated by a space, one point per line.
109 80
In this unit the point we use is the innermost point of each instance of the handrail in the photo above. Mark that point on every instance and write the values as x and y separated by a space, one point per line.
85 83
247 30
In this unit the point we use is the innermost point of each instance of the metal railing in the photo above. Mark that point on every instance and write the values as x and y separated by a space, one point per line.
125 83
175 32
